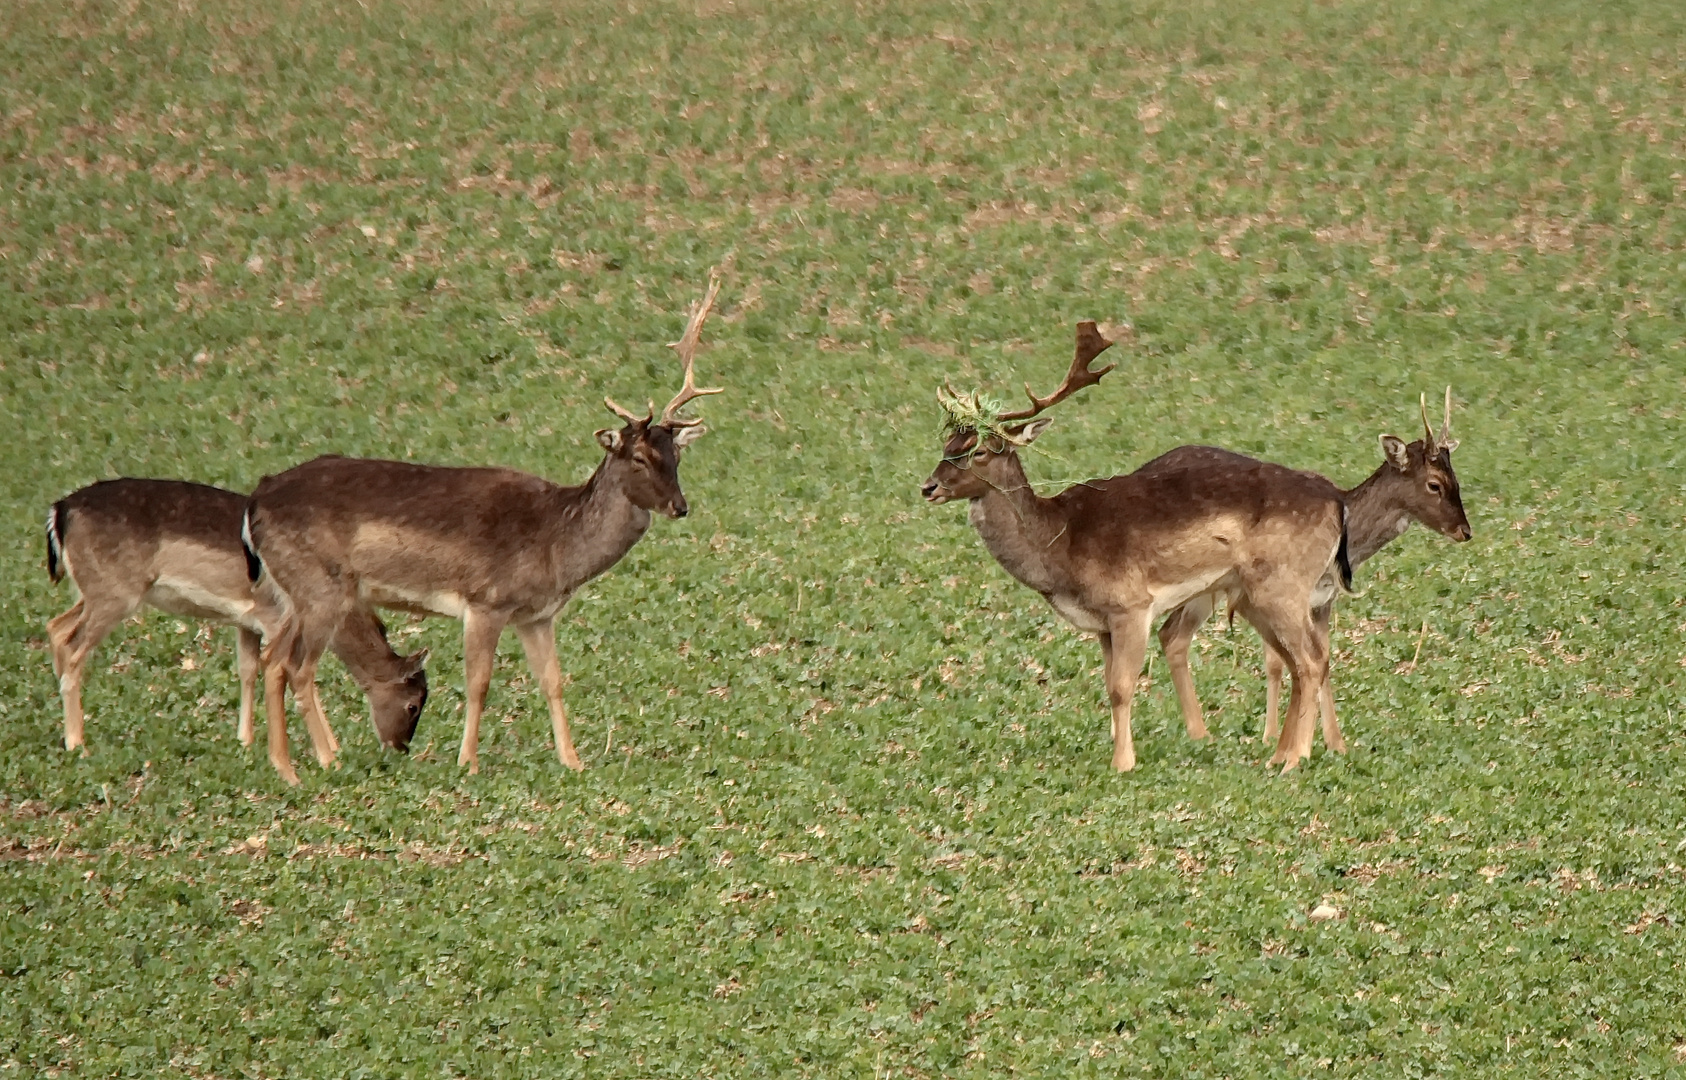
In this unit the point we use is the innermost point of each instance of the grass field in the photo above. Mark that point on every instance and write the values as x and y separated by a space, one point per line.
847 809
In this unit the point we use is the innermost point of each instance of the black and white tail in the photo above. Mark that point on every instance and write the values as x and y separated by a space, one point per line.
254 562
1342 559
55 543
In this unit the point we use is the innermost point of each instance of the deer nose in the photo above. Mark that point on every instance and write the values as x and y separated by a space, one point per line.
929 489
680 509
1464 533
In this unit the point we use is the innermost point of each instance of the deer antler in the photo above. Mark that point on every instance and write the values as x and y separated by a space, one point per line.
1090 344
686 347
1445 437
628 415
1428 429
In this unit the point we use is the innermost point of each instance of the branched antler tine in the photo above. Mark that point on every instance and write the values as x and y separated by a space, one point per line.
1090 344
627 414
686 347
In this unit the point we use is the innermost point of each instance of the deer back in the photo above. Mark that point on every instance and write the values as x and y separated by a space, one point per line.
434 538
172 543
1195 512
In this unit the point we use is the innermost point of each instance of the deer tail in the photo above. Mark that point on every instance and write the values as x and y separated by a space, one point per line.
1342 558
55 543
254 561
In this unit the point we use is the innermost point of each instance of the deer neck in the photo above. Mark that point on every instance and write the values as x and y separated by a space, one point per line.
602 512
1020 528
1376 513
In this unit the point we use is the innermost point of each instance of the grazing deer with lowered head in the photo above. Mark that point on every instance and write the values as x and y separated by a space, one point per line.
492 547
175 546
1415 482
1112 555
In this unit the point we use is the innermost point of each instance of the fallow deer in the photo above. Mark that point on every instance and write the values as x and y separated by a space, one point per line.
175 546
1415 482
1112 555
493 547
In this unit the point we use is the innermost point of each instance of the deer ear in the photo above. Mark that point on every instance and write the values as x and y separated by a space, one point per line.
609 439
1026 433
685 436
1396 452
414 662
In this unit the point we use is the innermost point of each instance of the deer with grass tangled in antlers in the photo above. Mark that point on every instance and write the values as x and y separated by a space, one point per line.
1415 482
1112 555
492 547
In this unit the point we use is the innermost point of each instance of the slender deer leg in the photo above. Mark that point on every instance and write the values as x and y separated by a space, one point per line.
275 718
539 641
310 706
480 633
247 646
1274 666
1174 638
74 636
1308 664
1127 635
1321 619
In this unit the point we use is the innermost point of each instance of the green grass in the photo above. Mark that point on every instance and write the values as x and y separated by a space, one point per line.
847 809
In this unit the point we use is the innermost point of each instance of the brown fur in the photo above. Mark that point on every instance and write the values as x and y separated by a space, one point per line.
1415 482
1111 555
175 546
494 547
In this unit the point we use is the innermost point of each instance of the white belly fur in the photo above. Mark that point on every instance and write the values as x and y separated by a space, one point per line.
443 602
183 597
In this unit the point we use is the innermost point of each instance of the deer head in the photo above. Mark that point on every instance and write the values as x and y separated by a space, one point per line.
643 455
395 704
1422 480
980 452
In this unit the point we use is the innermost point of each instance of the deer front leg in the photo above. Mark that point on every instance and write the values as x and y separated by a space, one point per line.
275 720
1174 637
1126 647
1321 618
247 645
538 640
480 633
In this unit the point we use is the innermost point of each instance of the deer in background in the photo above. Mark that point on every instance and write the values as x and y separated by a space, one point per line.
1112 555
175 546
492 547
1415 482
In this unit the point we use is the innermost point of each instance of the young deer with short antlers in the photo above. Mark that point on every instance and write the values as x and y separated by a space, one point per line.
1112 555
492 547
1415 482
175 546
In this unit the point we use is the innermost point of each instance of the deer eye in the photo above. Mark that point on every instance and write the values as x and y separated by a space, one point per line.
1434 487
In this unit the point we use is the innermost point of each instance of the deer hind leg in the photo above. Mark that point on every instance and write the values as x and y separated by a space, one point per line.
1125 644
73 636
318 605
538 640
1308 664
480 633
1175 634
247 646
303 681
275 720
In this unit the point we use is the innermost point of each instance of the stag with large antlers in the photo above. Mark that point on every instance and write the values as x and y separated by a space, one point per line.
492 547
1415 482
132 543
1112 555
